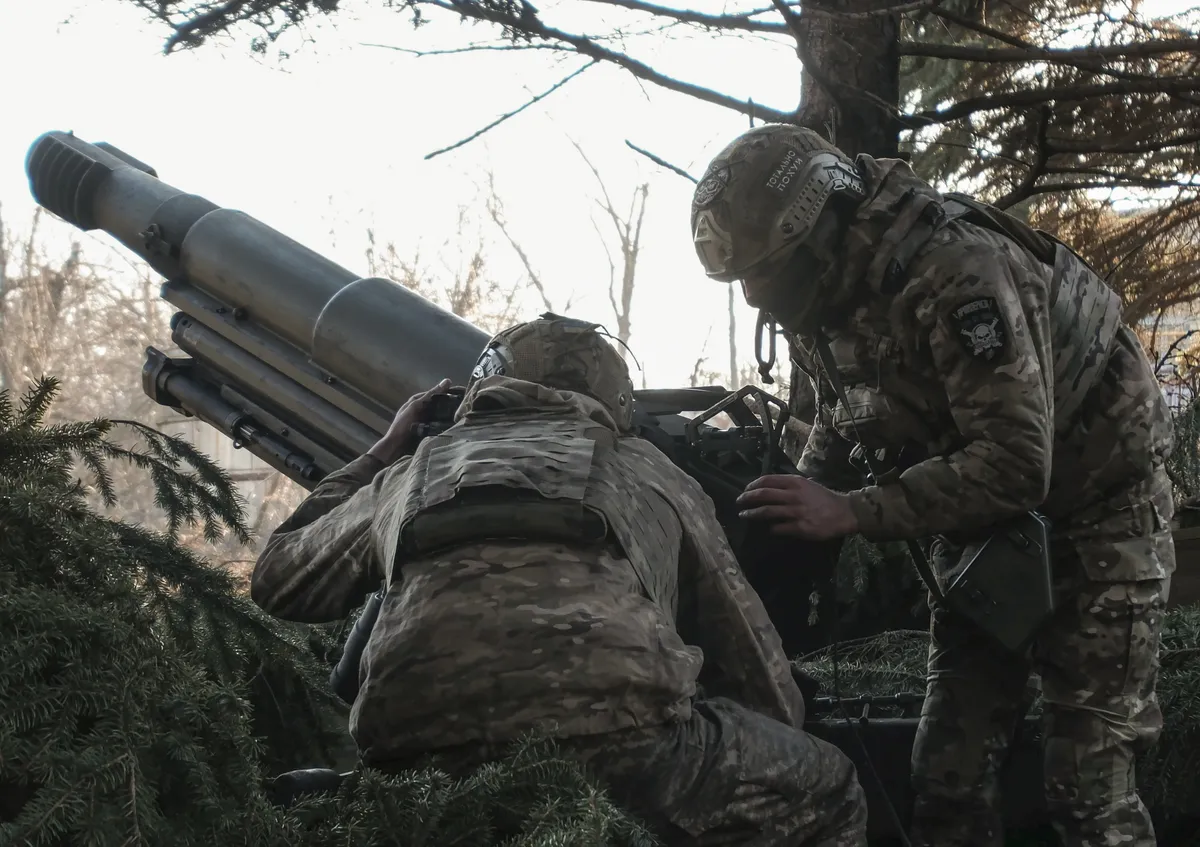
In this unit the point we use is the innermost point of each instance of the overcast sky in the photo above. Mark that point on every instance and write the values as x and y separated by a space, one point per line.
329 142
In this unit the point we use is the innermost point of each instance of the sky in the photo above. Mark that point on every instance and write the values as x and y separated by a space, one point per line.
330 142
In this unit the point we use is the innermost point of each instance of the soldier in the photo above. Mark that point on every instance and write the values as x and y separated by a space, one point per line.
987 367
548 571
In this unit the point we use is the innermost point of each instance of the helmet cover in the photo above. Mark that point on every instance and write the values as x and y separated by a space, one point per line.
562 353
762 195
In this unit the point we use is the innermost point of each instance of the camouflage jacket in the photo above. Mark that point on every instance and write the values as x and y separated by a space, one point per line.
484 641
992 381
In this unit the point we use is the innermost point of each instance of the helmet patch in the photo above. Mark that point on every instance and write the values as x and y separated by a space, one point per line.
493 362
711 186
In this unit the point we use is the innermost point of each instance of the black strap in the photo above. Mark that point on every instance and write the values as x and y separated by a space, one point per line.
918 555
830 368
767 323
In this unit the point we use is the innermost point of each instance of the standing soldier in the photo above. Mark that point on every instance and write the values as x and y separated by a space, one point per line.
985 368
545 569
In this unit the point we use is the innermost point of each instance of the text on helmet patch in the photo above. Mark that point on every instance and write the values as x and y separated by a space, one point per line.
784 172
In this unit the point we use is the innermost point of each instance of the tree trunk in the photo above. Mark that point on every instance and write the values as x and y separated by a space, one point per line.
850 58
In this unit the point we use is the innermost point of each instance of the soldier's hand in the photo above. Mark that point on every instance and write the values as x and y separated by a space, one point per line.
395 441
798 506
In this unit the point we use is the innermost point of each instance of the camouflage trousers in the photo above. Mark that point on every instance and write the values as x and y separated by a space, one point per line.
726 776
1098 664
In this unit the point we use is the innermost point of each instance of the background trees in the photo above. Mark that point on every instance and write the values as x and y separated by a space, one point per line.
1083 115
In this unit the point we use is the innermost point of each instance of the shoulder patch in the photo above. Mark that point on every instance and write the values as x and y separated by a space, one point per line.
981 328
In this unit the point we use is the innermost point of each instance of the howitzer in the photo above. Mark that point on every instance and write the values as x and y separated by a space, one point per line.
303 363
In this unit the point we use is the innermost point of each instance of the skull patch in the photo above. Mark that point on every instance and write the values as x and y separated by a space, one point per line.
981 328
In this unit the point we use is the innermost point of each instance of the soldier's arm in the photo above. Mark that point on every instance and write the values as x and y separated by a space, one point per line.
986 353
320 563
826 459
720 613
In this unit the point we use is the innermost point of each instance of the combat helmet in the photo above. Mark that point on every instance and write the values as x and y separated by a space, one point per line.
562 353
762 196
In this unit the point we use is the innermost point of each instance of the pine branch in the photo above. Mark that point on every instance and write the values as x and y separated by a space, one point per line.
1058 144
1063 55
1060 94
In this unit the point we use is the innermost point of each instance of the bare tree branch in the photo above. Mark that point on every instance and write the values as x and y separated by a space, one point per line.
495 211
661 162
192 29
629 239
983 29
514 112
588 47
612 268
456 51
742 22
1175 345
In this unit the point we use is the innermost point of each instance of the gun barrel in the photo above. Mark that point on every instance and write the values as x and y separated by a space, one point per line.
297 359
371 334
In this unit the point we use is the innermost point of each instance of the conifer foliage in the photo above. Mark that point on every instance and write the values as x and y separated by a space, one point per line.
133 681
533 797
145 701
894 663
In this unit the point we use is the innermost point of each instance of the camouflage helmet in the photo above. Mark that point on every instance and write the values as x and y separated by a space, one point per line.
562 353
762 195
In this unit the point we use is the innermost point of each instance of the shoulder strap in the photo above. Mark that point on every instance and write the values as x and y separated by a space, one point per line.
967 208
1037 241
829 365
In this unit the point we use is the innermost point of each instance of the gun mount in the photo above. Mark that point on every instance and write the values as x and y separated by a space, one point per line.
303 363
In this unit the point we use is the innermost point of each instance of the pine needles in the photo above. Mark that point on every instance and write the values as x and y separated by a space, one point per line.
134 681
533 797
144 700
894 663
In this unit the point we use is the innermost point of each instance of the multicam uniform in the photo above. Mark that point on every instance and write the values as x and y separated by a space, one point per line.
546 571
1006 401
999 382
